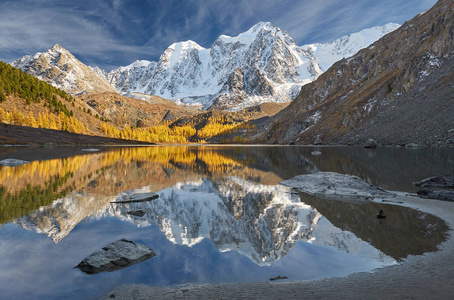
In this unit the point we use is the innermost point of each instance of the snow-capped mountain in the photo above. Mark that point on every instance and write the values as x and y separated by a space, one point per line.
260 65
60 68
327 54
263 64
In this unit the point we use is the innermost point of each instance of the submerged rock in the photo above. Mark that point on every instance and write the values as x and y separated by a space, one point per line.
316 153
437 195
436 182
141 197
12 162
336 185
411 145
115 256
371 144
137 213
279 277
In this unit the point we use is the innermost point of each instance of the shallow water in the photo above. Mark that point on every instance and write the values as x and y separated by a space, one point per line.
221 215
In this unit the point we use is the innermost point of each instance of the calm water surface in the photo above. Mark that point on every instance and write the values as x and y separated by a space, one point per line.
221 215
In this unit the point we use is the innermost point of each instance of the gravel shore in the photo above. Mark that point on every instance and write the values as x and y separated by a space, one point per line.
430 276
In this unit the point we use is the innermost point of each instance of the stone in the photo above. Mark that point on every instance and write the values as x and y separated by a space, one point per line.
436 182
371 144
316 153
444 195
137 213
12 162
335 185
381 214
90 150
115 256
318 141
411 145
279 277
140 197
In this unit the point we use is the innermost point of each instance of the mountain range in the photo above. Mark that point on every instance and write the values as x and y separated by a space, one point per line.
263 64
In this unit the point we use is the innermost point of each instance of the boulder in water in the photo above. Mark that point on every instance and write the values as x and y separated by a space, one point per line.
12 162
371 144
140 197
115 256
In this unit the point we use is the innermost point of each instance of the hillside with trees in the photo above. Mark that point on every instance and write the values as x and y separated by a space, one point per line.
29 102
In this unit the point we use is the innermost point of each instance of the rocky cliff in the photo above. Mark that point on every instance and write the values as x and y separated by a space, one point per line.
374 82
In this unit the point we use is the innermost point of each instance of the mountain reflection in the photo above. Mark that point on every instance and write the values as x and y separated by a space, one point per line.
27 187
225 194
268 224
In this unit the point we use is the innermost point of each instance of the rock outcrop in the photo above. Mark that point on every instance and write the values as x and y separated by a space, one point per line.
370 143
334 185
444 188
115 256
437 194
436 182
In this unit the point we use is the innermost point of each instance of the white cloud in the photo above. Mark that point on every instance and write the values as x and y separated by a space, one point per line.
31 29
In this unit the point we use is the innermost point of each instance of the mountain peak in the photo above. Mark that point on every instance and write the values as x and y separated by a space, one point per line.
57 48
182 46
250 35
263 25
57 66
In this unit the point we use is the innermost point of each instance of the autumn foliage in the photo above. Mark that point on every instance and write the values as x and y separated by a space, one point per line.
51 108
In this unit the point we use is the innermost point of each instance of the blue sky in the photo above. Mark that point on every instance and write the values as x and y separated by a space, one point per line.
110 33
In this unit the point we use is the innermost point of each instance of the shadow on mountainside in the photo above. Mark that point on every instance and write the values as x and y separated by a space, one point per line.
22 135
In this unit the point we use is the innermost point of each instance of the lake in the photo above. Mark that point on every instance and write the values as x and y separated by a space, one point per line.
221 215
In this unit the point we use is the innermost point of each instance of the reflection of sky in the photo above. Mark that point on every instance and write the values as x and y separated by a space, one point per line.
32 264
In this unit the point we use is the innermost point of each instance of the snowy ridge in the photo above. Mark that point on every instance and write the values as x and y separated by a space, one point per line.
344 47
59 67
269 61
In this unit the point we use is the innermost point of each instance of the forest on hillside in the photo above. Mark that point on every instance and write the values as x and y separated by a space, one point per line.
60 109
